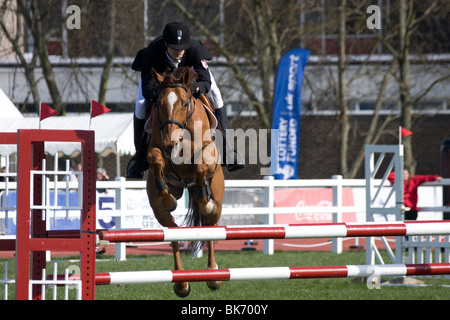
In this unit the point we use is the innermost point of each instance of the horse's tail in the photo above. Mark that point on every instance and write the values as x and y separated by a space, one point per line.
195 218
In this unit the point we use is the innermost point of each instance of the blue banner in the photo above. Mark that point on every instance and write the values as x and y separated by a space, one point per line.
286 114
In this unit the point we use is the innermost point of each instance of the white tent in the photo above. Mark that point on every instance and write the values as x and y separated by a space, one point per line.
7 108
113 133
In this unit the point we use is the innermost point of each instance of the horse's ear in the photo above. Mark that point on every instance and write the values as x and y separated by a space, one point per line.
157 77
186 75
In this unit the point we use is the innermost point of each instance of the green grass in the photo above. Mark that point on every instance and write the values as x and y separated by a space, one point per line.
299 289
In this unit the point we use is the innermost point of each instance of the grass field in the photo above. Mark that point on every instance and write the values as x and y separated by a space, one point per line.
299 289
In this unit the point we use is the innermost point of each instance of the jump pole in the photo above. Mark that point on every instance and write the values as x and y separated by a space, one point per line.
268 273
298 231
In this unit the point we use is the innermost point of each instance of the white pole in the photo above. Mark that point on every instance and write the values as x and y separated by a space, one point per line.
337 216
268 247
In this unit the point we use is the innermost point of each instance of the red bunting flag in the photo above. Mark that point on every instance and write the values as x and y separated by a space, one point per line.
45 111
98 109
405 132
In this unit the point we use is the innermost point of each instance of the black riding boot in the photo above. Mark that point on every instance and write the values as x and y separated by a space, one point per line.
229 156
138 164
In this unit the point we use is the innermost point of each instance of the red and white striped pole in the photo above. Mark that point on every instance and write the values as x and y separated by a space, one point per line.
298 231
269 273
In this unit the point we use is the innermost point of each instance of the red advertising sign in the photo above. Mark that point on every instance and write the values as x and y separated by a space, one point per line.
311 197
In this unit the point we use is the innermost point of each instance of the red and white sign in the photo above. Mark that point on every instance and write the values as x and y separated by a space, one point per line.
311 197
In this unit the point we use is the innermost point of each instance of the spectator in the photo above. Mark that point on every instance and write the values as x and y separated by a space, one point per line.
74 174
411 183
6 176
102 176
3 170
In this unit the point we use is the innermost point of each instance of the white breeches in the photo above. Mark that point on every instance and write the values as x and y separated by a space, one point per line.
139 109
215 92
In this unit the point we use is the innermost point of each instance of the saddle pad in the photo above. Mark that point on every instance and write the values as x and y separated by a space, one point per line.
210 112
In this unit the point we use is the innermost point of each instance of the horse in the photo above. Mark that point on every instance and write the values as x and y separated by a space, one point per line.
178 158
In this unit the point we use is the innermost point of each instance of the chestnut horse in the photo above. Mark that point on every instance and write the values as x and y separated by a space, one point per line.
182 154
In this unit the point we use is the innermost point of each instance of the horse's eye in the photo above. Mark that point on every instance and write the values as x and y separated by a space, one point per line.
186 104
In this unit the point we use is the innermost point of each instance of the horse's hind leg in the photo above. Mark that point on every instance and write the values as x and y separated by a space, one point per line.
217 190
181 289
212 264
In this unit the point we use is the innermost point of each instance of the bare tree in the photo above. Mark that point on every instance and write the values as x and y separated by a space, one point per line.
110 52
15 37
342 90
397 39
29 10
402 55
409 20
254 41
376 130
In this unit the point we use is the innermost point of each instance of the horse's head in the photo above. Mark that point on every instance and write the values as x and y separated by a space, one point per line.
175 105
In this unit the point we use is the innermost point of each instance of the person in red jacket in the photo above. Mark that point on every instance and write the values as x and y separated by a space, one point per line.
411 183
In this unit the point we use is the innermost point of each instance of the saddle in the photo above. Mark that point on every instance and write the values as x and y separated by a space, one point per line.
210 111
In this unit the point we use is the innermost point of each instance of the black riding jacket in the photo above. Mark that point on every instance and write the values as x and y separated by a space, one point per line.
154 56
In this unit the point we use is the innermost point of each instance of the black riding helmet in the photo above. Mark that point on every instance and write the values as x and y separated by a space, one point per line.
177 35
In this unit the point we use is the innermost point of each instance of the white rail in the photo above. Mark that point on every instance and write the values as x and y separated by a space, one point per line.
268 210
45 283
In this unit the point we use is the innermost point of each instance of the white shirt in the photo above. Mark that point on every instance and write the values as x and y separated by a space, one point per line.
175 62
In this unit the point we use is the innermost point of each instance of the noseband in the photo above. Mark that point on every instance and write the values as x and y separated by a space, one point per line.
188 114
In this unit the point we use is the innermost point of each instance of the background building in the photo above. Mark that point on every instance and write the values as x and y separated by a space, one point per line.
355 75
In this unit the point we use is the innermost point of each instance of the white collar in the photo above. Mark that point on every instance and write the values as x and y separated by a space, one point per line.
172 59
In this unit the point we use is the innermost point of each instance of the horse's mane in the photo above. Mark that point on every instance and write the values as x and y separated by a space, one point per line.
177 74
176 77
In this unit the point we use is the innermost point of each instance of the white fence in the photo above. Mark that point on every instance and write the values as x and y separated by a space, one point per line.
127 205
45 282
129 208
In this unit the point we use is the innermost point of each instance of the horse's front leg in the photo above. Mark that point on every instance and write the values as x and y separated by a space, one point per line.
207 205
156 163
206 160
164 217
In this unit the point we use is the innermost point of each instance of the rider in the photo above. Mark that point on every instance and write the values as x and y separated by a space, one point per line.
171 50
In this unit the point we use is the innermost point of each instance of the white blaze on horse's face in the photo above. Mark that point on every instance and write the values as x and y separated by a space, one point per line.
171 99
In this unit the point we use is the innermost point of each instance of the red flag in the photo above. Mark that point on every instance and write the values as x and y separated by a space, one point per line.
405 132
98 109
45 112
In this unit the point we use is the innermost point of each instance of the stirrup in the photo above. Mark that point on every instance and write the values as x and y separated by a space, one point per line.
234 165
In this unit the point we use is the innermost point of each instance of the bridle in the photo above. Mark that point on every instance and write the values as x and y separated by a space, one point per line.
188 113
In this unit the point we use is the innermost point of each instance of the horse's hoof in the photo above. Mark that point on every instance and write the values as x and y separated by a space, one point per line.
183 292
210 208
214 285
